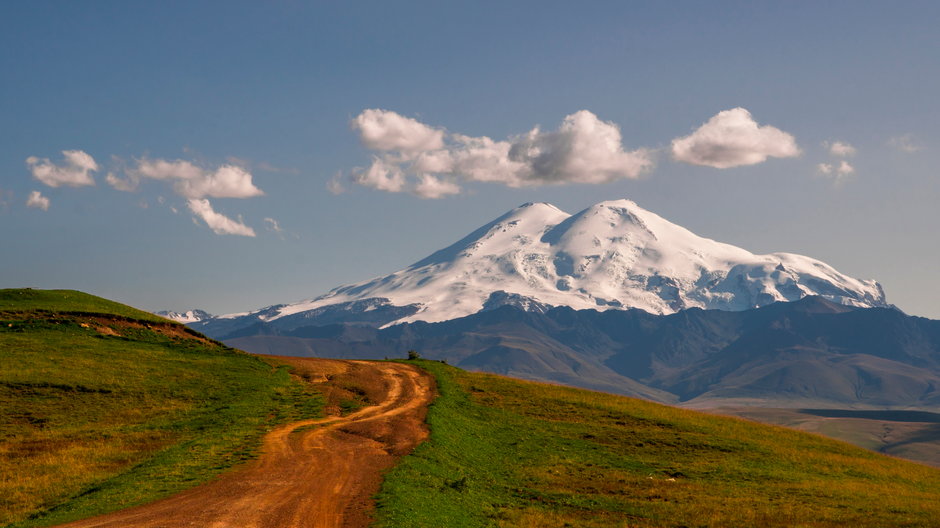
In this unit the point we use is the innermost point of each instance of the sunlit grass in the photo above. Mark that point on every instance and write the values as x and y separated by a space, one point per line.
542 455
68 301
96 418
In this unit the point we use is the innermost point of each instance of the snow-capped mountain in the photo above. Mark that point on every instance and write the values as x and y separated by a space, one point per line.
192 316
612 255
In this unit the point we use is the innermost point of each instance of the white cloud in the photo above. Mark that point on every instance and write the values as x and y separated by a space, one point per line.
75 172
196 184
839 173
191 181
219 223
845 169
430 163
840 149
906 143
584 149
38 201
386 130
382 175
733 138
431 187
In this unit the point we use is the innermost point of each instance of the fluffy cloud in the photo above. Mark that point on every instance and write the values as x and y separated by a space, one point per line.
196 184
733 138
906 143
191 181
839 171
38 201
382 175
75 172
583 150
430 187
188 180
217 222
385 130
430 162
840 149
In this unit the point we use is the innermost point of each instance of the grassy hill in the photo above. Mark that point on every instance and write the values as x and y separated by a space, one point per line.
105 406
507 453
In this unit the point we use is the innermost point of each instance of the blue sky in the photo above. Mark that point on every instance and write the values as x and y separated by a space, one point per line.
251 108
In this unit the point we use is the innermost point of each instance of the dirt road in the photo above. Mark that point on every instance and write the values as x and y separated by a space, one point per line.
314 473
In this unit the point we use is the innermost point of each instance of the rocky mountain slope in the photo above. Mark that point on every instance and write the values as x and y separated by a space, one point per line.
809 353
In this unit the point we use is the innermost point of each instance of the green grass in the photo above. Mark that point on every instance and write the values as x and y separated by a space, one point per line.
68 301
102 410
504 452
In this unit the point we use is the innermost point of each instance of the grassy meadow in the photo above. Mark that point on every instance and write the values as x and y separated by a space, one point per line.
508 453
105 407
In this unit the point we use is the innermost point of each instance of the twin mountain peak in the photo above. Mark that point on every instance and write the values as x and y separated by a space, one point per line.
612 255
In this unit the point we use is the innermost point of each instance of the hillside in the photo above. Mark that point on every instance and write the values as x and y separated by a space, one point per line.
105 406
106 411
509 453
808 353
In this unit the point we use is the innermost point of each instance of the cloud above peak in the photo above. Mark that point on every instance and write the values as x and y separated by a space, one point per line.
74 172
431 162
732 138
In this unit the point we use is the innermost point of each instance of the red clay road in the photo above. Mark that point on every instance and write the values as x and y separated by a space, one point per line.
313 473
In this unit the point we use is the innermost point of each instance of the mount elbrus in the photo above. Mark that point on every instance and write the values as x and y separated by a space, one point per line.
613 254
616 298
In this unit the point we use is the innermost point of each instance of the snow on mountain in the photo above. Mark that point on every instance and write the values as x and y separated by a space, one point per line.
614 254
192 316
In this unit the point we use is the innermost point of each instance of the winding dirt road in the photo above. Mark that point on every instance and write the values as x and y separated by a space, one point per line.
314 473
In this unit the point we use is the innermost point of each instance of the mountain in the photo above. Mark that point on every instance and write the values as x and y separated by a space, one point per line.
808 353
612 255
191 316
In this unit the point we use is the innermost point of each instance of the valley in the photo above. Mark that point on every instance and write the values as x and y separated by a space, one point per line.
912 435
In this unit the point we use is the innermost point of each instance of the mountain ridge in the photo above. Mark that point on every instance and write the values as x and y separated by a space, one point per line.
807 353
612 255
